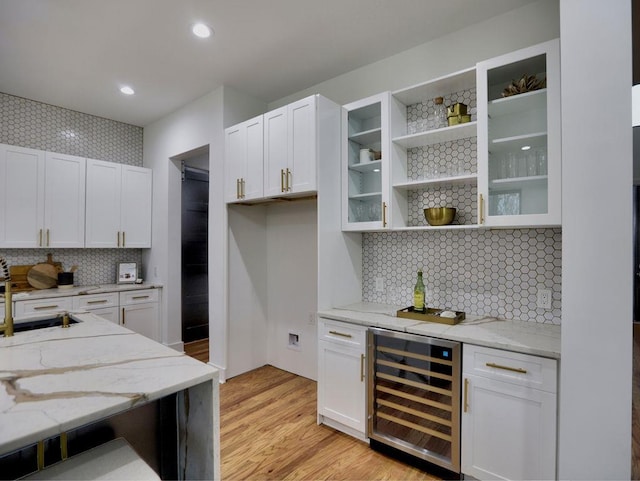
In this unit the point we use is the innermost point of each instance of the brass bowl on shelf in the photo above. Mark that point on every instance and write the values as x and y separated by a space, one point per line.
440 215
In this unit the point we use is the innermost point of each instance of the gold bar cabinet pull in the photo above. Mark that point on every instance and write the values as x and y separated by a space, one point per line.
341 334
282 181
40 239
118 238
237 188
384 214
64 452
361 367
242 184
123 323
289 180
481 210
123 242
47 237
465 403
507 368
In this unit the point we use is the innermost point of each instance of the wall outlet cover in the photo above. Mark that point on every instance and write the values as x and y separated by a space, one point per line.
544 298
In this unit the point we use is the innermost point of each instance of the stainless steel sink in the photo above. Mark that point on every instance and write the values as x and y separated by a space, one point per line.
41 324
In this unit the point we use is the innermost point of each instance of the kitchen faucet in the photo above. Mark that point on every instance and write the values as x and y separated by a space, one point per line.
7 326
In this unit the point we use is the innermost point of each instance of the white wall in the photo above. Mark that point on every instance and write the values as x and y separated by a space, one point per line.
596 366
531 24
292 266
197 124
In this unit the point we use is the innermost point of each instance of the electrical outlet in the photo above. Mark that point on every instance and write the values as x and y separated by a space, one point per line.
379 284
544 298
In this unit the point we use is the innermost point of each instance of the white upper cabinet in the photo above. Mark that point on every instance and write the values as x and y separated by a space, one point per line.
118 205
64 197
244 153
42 200
365 164
519 145
21 196
290 149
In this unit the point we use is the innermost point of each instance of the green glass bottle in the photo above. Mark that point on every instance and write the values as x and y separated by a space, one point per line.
418 294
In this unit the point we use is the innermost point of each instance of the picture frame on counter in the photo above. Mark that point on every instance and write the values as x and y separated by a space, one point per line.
127 272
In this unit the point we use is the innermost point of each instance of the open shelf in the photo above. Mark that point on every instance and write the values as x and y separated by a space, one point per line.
438 87
468 179
366 166
438 227
437 136
508 144
367 137
536 99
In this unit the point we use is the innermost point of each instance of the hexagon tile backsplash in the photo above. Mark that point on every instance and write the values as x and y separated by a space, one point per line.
483 272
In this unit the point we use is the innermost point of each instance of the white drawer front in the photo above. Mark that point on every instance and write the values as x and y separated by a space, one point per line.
96 301
129 298
342 332
38 306
521 369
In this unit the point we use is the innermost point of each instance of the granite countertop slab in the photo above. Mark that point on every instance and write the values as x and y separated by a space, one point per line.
80 291
519 336
53 380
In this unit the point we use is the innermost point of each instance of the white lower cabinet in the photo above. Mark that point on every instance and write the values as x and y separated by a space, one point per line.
140 312
103 305
342 376
509 406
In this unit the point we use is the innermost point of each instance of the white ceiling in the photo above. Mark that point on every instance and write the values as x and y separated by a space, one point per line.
77 53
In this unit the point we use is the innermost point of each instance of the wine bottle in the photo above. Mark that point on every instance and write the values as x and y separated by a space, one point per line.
418 294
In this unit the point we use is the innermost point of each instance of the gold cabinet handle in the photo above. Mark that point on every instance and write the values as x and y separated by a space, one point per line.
40 455
481 209
118 238
47 237
465 403
361 367
124 244
64 452
140 297
507 368
242 189
40 239
282 181
341 334
237 188
123 323
289 180
41 308
101 301
384 214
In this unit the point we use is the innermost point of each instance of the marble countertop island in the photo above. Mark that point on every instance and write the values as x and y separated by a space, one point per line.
518 336
54 380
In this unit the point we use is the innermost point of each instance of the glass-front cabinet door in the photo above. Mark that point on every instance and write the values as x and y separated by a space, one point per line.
365 172
519 151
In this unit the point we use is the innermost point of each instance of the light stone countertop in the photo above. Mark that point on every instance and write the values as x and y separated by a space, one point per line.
80 290
54 380
519 336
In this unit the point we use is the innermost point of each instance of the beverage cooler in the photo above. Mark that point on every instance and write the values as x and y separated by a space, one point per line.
414 395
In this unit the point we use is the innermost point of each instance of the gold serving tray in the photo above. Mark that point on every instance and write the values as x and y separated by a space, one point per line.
432 315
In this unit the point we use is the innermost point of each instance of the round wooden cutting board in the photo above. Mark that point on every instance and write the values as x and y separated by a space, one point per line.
42 276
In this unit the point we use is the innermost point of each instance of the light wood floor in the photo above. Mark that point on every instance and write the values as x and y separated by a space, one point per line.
198 349
268 431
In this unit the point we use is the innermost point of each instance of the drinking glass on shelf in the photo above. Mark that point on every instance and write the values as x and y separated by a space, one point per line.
510 165
521 163
532 165
541 161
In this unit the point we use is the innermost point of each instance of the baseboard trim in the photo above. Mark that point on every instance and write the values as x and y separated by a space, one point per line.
222 372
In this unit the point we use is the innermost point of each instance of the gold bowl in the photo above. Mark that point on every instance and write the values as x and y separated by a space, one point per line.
440 215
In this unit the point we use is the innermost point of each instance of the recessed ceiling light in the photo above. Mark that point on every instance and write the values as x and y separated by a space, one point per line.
201 30
127 90
376 170
525 147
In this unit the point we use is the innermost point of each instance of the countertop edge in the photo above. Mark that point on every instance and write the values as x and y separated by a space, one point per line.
524 337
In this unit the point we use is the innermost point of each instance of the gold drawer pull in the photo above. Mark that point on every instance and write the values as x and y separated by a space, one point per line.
336 333
507 368
101 301
481 209
361 367
466 395
40 308
139 297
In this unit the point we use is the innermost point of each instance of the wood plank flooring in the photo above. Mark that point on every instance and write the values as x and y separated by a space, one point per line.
198 349
268 431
